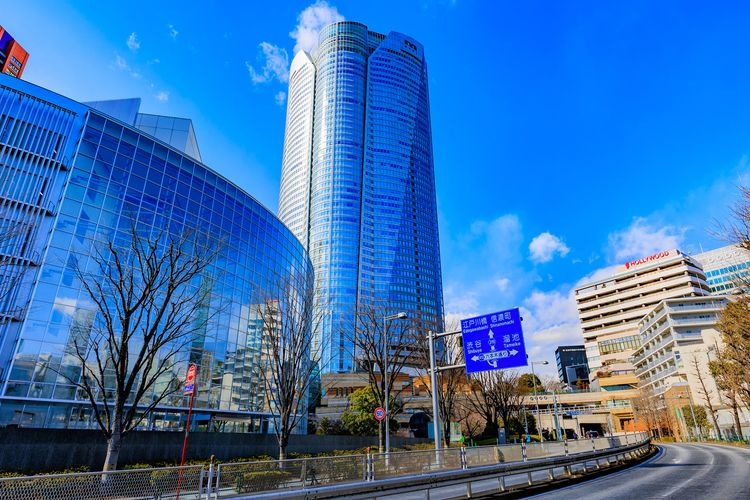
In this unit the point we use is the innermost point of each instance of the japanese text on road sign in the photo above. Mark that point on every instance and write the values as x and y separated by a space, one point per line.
493 341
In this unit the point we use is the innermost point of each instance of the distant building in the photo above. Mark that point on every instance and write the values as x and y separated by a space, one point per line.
572 365
13 57
610 310
678 339
725 268
177 132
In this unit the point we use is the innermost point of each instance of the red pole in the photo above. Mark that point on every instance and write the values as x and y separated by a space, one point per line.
187 432
184 445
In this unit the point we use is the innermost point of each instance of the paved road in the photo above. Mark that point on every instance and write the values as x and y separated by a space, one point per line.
684 471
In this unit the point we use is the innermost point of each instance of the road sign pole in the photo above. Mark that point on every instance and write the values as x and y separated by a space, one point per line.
435 389
184 445
189 389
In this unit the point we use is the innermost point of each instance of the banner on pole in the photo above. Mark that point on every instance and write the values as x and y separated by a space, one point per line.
190 379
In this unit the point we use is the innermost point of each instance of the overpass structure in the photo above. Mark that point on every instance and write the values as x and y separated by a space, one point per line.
577 411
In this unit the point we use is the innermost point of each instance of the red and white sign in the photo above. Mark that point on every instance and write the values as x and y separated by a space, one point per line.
379 413
190 379
651 258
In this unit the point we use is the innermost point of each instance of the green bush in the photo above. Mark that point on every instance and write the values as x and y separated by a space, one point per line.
163 480
260 481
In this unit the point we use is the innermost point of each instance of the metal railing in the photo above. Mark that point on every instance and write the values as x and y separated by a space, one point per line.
138 484
289 477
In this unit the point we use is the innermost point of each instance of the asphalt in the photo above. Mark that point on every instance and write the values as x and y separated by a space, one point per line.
684 471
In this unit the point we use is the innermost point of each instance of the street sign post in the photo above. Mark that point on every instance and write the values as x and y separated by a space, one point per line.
190 380
493 341
189 391
379 413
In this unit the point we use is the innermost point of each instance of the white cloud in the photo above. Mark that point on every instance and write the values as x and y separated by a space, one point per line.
544 247
122 64
133 43
484 267
154 61
599 274
641 239
502 284
310 22
172 31
550 319
162 96
280 98
276 65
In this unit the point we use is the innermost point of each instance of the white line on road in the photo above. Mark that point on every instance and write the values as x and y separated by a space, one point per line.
606 477
695 476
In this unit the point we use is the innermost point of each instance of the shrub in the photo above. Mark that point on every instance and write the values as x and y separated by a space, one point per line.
260 481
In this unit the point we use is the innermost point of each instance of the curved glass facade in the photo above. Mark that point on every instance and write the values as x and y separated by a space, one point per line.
371 230
74 177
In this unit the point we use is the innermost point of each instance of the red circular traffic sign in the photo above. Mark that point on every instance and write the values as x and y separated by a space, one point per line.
379 413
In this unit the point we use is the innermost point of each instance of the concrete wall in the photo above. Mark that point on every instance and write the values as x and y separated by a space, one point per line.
37 450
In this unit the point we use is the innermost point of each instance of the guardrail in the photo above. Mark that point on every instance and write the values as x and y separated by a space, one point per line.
324 477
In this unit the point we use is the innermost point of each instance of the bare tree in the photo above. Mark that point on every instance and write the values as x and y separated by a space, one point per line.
497 394
649 408
452 382
149 299
404 347
706 393
737 230
291 359
472 423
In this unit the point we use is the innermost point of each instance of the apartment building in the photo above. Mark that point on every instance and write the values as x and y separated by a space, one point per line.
610 310
678 340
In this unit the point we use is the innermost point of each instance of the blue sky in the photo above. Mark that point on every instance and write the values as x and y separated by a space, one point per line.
568 136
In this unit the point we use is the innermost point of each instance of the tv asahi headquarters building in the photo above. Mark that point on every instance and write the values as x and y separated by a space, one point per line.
358 182
73 176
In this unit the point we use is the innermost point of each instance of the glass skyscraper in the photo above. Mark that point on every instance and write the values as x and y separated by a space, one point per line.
74 176
358 182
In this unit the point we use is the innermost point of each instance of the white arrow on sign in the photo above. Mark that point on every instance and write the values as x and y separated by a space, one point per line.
489 356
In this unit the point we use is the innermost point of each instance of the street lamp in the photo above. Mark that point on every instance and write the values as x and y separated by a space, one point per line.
386 389
536 398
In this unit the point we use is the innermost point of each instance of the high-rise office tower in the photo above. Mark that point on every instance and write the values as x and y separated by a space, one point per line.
358 181
13 57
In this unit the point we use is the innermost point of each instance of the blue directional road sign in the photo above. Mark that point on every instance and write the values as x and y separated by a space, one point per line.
493 341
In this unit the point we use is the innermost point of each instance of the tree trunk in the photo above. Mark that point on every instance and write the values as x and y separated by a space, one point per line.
283 443
736 413
707 397
113 451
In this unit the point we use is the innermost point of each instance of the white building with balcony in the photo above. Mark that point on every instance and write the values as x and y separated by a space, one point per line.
678 339
610 310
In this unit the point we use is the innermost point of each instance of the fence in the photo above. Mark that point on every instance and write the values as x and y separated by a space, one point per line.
240 479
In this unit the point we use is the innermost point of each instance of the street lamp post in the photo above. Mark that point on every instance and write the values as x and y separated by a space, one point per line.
386 388
536 398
